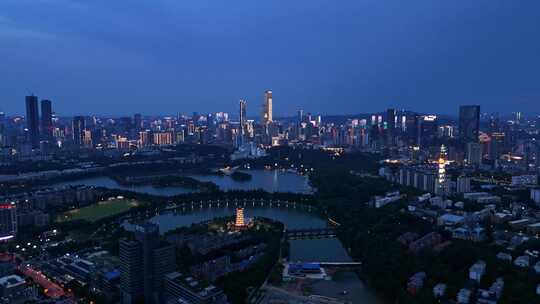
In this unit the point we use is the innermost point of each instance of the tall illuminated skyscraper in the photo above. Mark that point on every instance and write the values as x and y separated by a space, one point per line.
267 108
441 172
243 118
46 119
32 120
79 125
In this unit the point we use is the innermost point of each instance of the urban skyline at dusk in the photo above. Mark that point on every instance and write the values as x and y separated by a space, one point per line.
264 152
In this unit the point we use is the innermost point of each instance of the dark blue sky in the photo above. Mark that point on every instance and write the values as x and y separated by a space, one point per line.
346 56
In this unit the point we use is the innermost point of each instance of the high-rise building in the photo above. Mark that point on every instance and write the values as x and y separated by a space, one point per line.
8 221
391 119
463 184
441 172
144 262
46 119
497 146
411 128
79 125
32 120
243 120
390 126
137 122
300 116
267 108
469 123
474 154
2 129
427 130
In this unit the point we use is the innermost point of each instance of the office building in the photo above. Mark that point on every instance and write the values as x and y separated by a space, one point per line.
390 126
32 120
8 221
144 262
463 184
267 108
474 154
469 123
79 125
497 145
137 122
46 119
427 130
243 120
411 128
391 119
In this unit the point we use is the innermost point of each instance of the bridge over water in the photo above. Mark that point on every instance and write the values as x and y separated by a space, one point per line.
315 233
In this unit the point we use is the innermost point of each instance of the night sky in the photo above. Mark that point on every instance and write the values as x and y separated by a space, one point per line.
344 56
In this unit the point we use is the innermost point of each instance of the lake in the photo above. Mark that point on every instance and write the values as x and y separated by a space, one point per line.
268 180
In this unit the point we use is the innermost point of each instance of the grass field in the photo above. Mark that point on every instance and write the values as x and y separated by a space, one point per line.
99 210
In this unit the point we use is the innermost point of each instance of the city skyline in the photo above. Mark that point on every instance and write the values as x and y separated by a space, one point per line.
252 115
331 59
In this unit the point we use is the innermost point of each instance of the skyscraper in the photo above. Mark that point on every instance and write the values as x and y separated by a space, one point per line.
267 108
144 261
46 119
469 123
32 120
243 120
391 119
390 126
427 130
137 122
79 126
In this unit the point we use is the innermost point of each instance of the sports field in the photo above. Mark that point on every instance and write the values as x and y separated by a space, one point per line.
99 210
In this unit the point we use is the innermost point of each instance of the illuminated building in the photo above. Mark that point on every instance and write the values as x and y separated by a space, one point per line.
144 138
441 172
163 138
8 221
243 120
240 221
79 125
87 138
267 108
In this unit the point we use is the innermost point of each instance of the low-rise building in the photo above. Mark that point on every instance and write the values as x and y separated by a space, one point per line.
464 296
519 224
11 285
523 261
449 219
477 270
504 256
476 234
439 290
190 290
416 282
425 242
